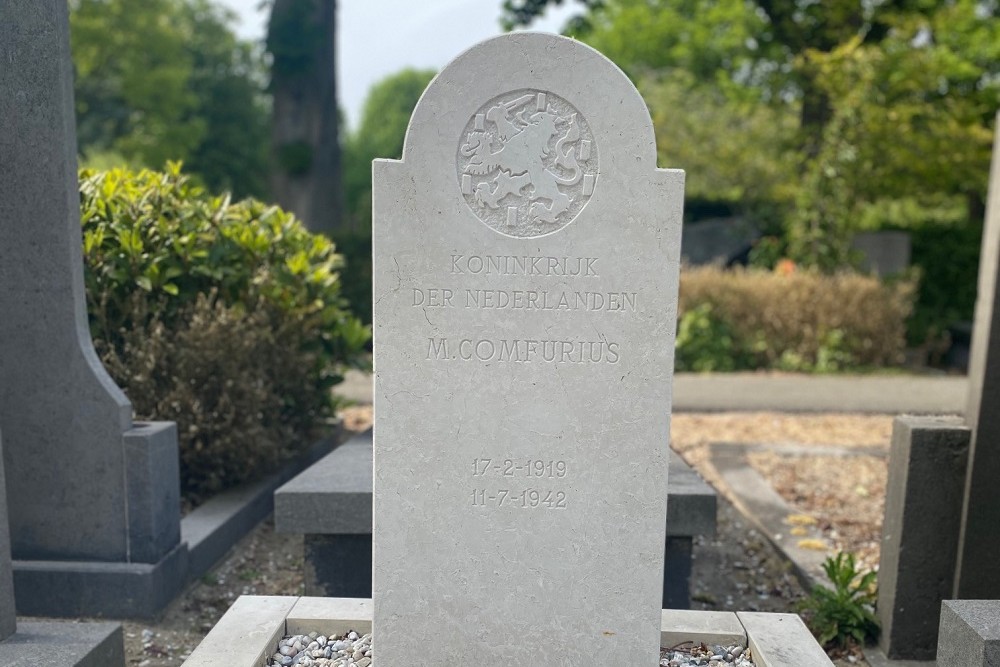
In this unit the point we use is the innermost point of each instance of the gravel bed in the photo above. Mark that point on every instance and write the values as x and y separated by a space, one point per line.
354 650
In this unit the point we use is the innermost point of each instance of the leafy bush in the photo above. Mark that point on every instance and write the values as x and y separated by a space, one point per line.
224 317
790 320
705 342
948 258
356 279
847 612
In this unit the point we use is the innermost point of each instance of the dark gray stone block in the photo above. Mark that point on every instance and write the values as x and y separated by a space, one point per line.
99 589
969 634
338 566
212 529
691 502
978 576
8 617
883 253
920 533
152 475
331 497
53 644
87 491
63 417
331 505
677 573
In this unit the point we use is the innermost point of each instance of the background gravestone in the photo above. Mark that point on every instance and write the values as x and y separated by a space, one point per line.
526 252
78 473
978 576
8 619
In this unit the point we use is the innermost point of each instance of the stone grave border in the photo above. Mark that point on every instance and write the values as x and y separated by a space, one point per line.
207 535
330 504
248 634
215 526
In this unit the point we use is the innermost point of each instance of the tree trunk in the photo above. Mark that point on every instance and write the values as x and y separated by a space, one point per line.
305 168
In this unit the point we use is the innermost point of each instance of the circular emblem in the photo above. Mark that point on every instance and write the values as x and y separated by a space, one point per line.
527 163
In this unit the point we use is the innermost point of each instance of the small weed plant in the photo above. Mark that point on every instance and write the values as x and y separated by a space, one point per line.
844 614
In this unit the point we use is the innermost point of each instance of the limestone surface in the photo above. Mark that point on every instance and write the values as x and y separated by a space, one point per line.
526 251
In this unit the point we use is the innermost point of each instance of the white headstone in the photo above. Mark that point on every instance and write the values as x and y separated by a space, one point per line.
526 254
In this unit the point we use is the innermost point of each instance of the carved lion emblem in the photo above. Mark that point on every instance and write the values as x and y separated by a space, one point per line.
527 163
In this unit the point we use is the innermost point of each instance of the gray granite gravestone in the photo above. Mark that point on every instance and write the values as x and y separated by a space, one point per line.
8 619
526 252
969 634
977 575
920 533
93 499
48 643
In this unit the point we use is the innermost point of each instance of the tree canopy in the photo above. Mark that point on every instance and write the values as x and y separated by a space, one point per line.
380 134
831 113
160 80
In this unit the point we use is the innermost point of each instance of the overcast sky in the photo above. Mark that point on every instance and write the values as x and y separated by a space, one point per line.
378 37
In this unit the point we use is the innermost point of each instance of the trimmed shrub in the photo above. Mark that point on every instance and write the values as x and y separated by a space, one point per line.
790 319
356 281
224 317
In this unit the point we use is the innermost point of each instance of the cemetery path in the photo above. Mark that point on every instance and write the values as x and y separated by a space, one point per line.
736 569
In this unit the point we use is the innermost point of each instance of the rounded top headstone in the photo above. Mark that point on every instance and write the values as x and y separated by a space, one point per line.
524 125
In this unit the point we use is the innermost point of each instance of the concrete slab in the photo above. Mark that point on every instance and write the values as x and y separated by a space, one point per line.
888 394
333 496
342 481
744 392
781 640
55 644
249 631
710 627
246 634
333 616
768 511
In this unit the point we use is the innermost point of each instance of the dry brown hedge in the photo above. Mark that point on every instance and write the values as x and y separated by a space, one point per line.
796 319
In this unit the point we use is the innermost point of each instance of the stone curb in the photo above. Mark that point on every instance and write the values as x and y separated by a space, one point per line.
761 505
63 644
249 632
213 528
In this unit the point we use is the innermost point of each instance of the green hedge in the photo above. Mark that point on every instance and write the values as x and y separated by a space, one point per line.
790 319
225 317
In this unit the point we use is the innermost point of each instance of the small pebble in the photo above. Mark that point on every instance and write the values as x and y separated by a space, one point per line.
354 650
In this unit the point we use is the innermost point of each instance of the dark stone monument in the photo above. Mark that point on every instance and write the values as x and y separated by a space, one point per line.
977 575
923 498
94 499
47 643
970 633
8 619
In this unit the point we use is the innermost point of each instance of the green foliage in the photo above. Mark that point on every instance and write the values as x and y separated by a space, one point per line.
225 317
733 150
296 157
812 118
160 80
946 248
846 613
356 276
380 134
293 34
705 342
790 320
